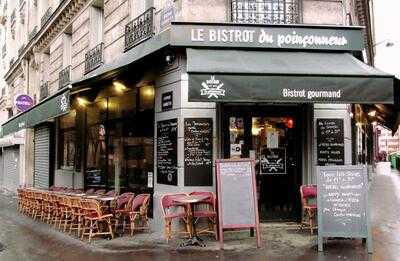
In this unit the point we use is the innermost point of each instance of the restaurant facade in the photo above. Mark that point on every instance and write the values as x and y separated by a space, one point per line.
156 118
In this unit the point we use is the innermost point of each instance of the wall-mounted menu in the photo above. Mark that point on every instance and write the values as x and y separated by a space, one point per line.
342 202
330 142
167 155
198 151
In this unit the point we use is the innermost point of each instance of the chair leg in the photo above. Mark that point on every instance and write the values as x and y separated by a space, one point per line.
110 229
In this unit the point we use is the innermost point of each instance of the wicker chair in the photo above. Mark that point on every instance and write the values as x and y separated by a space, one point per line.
309 211
65 212
138 212
121 209
173 211
206 209
77 214
92 219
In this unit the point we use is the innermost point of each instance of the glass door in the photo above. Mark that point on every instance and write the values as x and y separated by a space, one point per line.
271 135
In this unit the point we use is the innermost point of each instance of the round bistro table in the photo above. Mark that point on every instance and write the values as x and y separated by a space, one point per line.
191 200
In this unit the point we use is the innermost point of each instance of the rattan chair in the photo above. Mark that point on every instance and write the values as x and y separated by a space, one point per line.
174 211
92 219
309 210
77 215
138 213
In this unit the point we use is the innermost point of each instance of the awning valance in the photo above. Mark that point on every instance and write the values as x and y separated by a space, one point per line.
273 76
51 107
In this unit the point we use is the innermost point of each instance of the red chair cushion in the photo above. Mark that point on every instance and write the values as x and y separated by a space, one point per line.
309 191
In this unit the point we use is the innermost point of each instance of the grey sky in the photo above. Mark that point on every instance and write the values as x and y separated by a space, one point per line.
387 26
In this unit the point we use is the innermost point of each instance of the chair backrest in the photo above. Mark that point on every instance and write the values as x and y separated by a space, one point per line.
91 207
210 200
140 201
167 201
307 192
90 191
100 192
124 201
111 193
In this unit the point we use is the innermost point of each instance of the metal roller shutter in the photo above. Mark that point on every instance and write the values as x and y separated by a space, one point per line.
42 157
11 168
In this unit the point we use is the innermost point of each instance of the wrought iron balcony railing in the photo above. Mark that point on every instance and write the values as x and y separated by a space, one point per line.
13 17
21 3
46 16
32 33
266 11
94 58
139 29
64 77
11 62
21 49
44 91
4 50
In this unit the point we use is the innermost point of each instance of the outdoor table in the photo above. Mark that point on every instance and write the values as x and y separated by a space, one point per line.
190 200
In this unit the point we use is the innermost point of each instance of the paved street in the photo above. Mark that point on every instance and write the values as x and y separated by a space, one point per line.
25 239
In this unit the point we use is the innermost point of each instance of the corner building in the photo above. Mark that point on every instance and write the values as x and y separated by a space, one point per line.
143 96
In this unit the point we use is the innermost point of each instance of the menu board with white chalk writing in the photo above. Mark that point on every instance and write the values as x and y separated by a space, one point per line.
167 153
343 201
330 142
198 151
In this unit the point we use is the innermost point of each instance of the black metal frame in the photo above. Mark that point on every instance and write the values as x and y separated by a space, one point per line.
44 91
64 77
94 58
139 29
266 11
46 16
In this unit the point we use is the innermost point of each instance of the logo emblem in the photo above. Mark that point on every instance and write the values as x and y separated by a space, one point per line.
64 103
212 88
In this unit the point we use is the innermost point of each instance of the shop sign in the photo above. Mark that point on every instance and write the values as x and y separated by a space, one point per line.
167 15
268 36
167 101
273 161
23 102
212 88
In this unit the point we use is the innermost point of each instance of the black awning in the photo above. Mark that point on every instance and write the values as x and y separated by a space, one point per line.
301 77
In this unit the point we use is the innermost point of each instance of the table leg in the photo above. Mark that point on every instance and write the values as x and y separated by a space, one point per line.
194 239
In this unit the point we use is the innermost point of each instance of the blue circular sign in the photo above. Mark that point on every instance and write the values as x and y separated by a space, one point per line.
23 102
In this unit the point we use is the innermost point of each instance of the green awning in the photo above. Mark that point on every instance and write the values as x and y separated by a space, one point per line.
51 107
276 76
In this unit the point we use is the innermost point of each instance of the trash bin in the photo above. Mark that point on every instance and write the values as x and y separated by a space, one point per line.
392 159
397 157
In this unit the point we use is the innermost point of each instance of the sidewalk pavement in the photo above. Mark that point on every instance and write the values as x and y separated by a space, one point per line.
25 239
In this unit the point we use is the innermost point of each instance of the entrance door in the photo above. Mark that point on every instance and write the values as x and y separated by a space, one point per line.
272 136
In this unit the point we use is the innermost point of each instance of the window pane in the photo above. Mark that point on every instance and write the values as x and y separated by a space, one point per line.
122 106
97 112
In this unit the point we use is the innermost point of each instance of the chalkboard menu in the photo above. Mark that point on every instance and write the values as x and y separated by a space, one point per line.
93 177
273 161
342 202
198 151
167 156
330 142
237 195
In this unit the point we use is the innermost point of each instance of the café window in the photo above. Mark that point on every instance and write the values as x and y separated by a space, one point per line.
265 11
67 140
120 130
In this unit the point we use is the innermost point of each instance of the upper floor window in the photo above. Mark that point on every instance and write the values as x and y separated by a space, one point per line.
266 11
